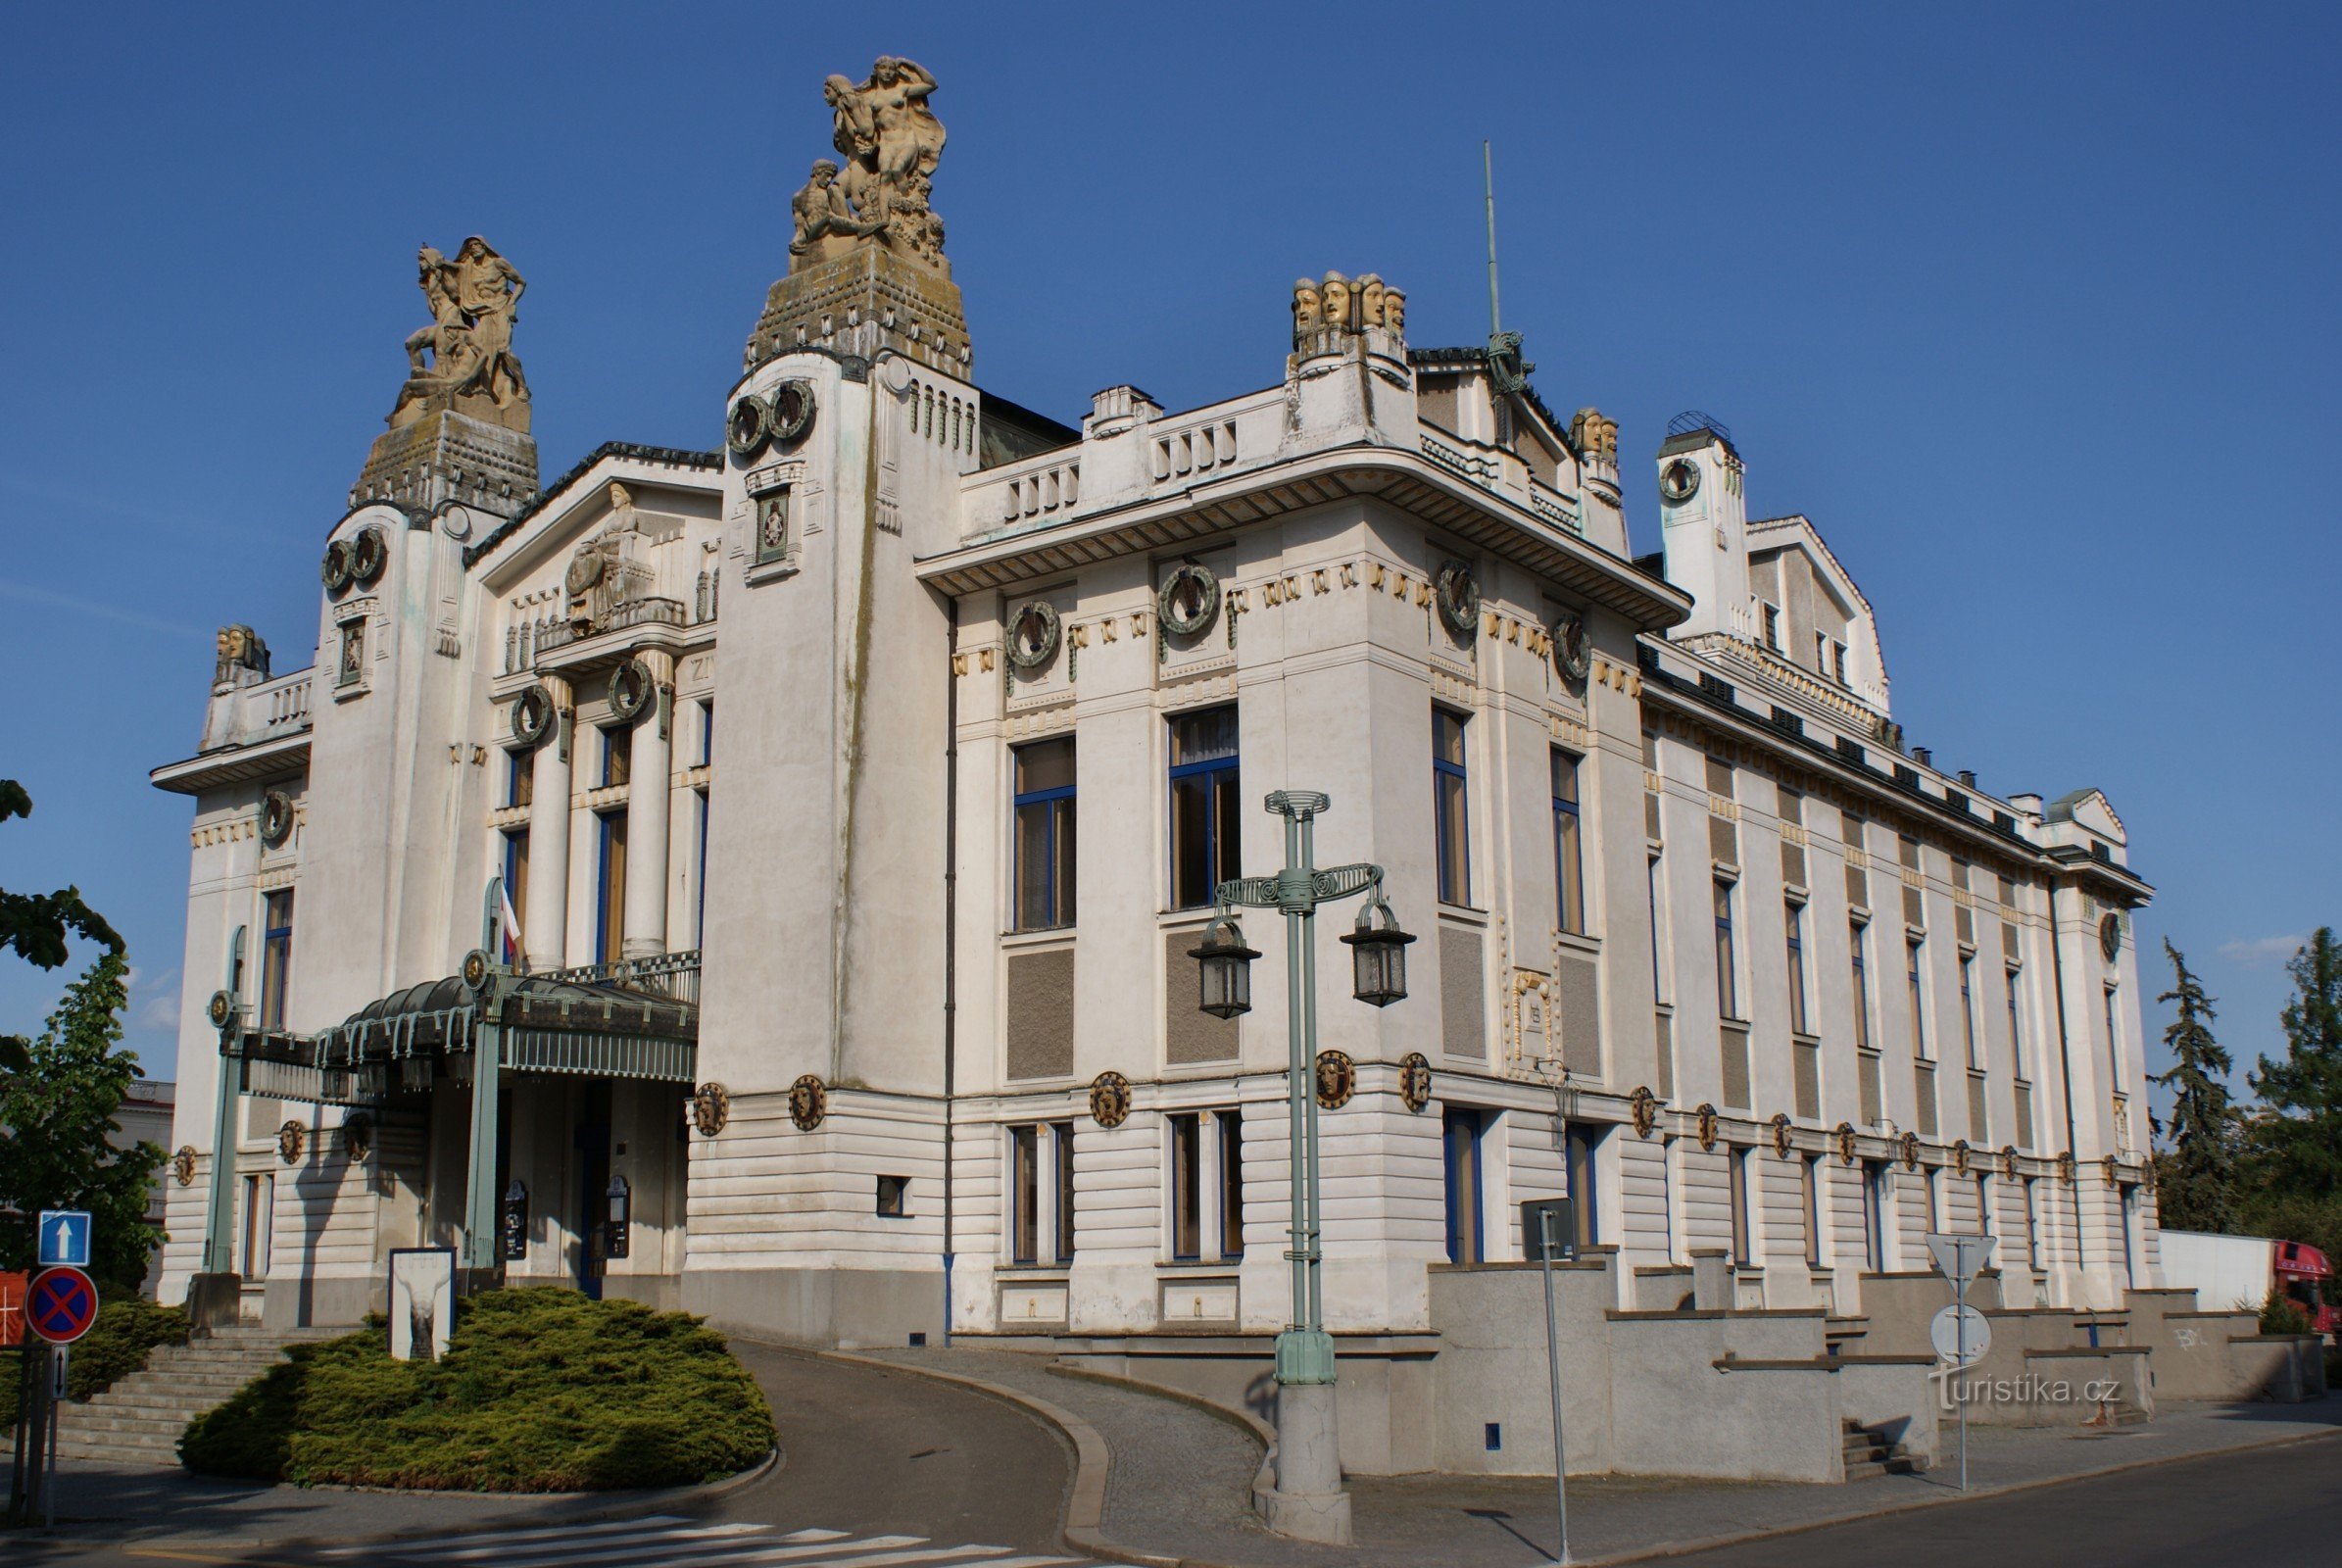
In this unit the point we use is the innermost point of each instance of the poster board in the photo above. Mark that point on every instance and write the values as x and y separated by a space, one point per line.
422 1302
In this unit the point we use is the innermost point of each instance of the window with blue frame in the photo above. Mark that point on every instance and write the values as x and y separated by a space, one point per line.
1914 952
1452 820
707 732
1793 925
277 956
1205 829
609 922
1856 935
1460 1132
1569 845
1043 834
516 881
699 920
1728 969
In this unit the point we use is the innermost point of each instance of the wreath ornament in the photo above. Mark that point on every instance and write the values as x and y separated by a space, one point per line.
2007 1159
1911 1151
276 818
336 568
1190 600
291 1139
1845 1142
1458 594
1034 635
370 555
1707 1126
711 1108
1960 1156
1573 650
532 715
809 1103
1780 1132
182 1165
630 689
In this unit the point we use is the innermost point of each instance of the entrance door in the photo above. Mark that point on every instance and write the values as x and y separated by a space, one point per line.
1461 1130
591 1226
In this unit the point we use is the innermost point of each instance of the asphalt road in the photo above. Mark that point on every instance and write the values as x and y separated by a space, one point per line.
2279 1507
878 1452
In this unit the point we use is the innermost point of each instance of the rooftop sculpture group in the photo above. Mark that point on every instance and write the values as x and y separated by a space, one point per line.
890 141
469 344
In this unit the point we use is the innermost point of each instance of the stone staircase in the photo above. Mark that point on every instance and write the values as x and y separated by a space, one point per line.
139 1420
1871 1453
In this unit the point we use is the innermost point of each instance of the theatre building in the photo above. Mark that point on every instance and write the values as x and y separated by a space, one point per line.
762 880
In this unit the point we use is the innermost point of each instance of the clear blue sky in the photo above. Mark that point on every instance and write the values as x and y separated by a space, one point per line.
2030 307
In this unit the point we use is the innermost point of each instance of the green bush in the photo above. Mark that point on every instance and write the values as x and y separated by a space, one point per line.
116 1345
2283 1314
540 1391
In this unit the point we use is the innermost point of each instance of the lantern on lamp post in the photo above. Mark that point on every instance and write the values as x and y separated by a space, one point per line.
1308 1466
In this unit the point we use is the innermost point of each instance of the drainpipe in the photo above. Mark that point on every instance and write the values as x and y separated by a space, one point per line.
951 932
2057 971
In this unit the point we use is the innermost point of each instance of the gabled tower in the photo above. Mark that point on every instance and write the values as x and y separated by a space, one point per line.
1703 523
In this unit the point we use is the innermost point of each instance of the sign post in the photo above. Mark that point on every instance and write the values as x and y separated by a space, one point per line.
1545 1224
1960 1258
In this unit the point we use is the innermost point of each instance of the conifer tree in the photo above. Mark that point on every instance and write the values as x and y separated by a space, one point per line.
2298 1145
2196 1176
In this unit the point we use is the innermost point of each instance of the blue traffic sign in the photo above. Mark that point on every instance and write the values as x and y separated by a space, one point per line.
61 1305
64 1238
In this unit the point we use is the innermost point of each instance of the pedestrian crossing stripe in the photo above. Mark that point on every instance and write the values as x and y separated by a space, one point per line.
672 1541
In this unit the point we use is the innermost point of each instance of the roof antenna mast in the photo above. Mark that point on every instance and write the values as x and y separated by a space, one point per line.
1507 372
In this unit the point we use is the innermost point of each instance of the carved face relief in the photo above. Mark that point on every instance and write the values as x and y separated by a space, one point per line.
1369 301
1307 308
1394 312
1336 294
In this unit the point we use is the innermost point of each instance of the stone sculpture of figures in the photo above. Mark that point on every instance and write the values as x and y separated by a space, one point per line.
890 141
474 300
1339 304
243 656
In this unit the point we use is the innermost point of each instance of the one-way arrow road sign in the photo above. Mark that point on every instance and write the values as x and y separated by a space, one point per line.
64 1238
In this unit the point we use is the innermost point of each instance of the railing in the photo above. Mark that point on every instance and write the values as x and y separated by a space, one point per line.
1197 449
1556 508
1049 488
285 699
628 612
673 976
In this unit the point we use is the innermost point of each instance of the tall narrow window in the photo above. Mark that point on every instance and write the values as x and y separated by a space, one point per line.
1727 993
1448 799
1837 662
1736 1163
277 956
1578 1145
1793 923
2032 1223
1061 1146
610 917
1187 1187
1914 953
2114 1043
1658 946
1044 835
1461 1129
1773 628
1568 844
1232 1184
701 919
617 755
2015 1027
1809 1193
1968 1013
260 1224
1984 1206
515 873
520 778
1204 825
1930 1181
1875 1202
1024 1195
1856 935
707 732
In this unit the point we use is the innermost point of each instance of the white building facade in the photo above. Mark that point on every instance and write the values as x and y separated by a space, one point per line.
869 1013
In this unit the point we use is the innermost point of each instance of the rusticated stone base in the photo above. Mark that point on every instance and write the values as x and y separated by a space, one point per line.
864 300
446 456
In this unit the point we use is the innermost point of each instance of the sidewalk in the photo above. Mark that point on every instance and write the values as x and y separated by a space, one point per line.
1179 1486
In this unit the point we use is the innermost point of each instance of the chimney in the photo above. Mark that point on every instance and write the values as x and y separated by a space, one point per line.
1967 776
1923 757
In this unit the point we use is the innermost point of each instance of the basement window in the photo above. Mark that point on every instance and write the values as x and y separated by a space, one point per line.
893 1197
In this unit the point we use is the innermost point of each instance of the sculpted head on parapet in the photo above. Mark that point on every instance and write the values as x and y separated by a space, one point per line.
890 143
1334 306
464 361
243 656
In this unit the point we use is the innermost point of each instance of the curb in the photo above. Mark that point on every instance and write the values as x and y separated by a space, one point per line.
626 1505
1086 1497
1682 1548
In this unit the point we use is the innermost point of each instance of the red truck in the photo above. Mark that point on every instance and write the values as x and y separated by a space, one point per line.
2241 1270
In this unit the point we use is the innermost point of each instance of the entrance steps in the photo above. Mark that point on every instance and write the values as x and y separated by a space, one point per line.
1871 1453
139 1420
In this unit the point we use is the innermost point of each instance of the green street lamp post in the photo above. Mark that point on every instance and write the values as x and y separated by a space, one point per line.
1308 1454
